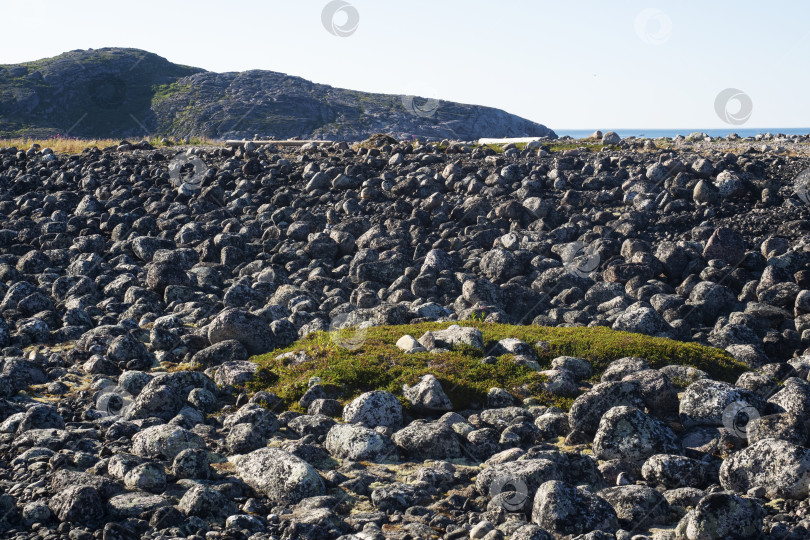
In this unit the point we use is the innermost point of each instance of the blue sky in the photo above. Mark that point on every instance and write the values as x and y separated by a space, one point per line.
569 65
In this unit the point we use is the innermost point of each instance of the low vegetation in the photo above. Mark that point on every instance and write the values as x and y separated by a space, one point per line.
373 362
71 145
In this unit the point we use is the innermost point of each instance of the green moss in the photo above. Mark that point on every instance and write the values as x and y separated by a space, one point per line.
378 365
163 91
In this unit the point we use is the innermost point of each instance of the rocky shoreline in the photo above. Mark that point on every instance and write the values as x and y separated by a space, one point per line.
137 282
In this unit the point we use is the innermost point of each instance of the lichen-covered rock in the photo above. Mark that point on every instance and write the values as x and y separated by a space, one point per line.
451 336
219 353
683 376
722 515
373 409
317 425
706 403
621 368
785 426
522 476
246 328
40 417
685 497
640 319
167 393
563 509
427 395
428 440
627 433
146 477
396 496
580 368
780 467
793 397
134 503
587 409
192 463
727 245
206 502
164 441
358 443
280 476
63 479
530 531
637 507
254 414
674 471
78 504
552 424
235 373
658 394
245 438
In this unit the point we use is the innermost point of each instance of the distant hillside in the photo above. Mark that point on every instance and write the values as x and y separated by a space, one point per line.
115 92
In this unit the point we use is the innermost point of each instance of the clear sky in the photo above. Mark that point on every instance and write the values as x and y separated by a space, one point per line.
567 64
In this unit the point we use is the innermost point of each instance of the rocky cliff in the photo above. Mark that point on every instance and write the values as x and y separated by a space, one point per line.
116 92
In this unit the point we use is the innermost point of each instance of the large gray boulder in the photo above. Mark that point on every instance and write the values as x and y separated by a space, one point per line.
164 442
629 434
780 467
167 393
637 507
250 330
588 408
563 509
713 403
673 471
358 443
427 395
428 440
451 336
80 505
726 245
280 476
722 515
373 409
522 476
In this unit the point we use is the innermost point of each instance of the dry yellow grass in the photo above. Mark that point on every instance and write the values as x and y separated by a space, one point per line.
67 145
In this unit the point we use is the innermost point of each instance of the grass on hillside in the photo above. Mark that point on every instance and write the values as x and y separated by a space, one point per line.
68 145
378 365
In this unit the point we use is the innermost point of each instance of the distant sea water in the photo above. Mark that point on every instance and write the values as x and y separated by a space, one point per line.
658 133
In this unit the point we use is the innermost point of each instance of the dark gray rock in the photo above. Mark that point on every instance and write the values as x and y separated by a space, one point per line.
248 329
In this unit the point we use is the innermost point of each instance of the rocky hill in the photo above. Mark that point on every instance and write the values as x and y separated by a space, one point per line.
116 92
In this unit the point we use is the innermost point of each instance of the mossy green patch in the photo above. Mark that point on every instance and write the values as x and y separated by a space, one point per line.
373 362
